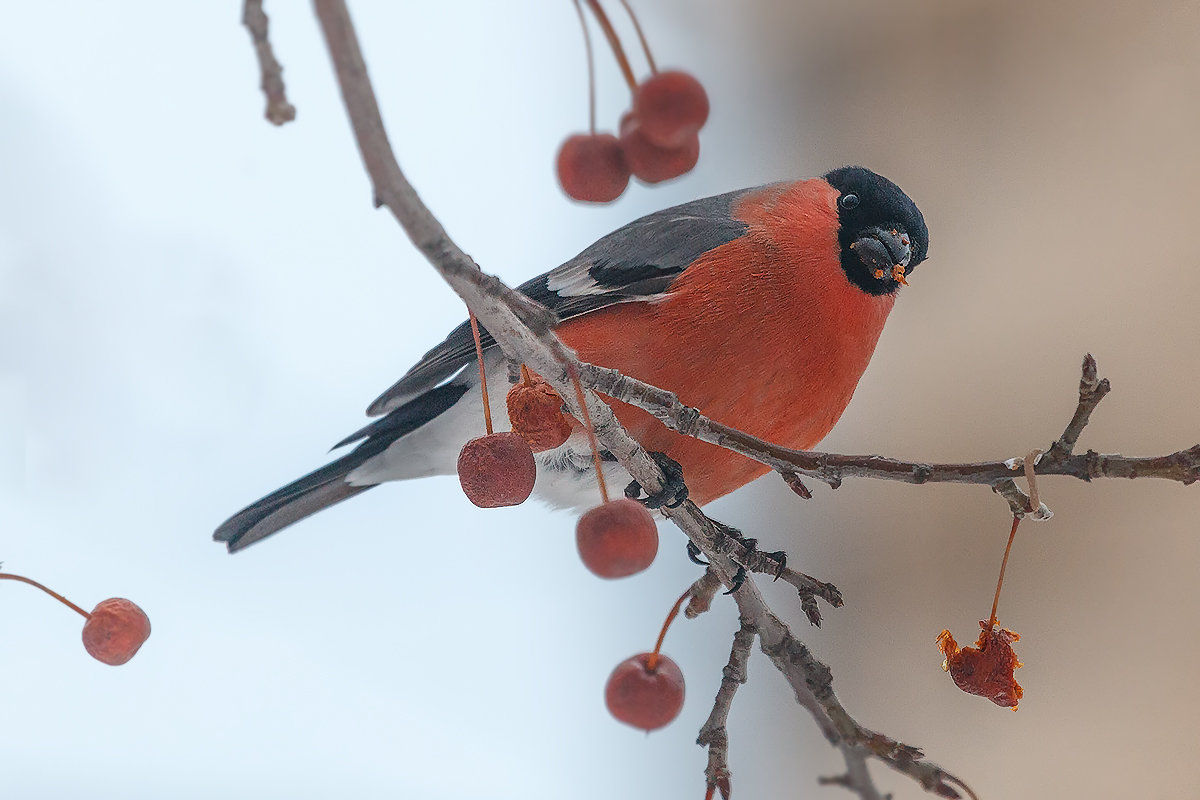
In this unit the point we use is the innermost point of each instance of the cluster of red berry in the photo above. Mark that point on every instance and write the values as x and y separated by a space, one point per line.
115 629
616 539
658 138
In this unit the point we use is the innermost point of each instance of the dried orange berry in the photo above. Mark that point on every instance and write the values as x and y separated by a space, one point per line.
535 411
617 538
987 668
497 470
115 630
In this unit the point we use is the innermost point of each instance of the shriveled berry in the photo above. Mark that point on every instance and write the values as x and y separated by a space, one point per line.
651 163
672 107
643 697
115 631
592 168
987 668
497 470
535 412
617 538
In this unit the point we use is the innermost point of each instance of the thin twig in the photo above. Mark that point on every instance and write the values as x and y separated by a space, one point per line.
832 468
279 110
856 778
713 734
812 684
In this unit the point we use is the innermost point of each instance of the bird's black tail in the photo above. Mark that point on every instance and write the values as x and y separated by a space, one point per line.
324 487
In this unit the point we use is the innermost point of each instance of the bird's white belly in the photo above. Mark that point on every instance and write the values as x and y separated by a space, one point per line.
566 476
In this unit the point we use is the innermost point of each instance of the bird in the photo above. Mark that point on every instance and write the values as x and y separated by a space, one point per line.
760 307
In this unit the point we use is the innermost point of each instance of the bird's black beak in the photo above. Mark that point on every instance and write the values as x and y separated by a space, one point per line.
886 251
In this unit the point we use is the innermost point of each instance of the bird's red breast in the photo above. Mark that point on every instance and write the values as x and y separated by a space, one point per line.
764 333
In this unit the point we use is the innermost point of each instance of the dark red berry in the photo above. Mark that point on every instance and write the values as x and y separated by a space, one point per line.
645 698
592 168
617 538
497 470
651 163
672 107
115 630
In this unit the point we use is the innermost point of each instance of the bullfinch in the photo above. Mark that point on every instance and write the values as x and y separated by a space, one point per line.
759 307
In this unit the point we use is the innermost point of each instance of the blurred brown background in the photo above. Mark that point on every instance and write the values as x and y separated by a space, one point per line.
1053 148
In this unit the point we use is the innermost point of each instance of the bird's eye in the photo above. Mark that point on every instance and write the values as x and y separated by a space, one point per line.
848 201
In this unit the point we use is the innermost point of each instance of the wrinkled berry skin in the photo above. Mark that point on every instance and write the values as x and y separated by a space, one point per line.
535 411
115 631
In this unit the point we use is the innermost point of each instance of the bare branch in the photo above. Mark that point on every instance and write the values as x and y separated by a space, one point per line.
1091 391
812 684
810 589
713 734
856 778
832 468
279 110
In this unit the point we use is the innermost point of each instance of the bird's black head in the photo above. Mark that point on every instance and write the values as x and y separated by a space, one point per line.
881 231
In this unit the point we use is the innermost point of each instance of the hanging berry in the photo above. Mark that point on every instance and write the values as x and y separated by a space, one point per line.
497 469
114 630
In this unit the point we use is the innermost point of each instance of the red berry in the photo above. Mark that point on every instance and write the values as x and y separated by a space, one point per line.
115 630
535 411
651 163
645 698
672 107
592 168
497 470
617 539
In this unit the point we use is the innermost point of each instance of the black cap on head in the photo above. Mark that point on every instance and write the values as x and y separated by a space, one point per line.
881 231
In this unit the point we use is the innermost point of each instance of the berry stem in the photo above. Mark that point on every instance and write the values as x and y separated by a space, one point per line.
637 26
587 423
591 61
10 577
487 406
996 600
652 661
613 42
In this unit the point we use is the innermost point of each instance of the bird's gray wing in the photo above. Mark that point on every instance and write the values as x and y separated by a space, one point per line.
635 263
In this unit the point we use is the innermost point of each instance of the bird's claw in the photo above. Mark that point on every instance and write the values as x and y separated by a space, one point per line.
694 554
674 490
739 578
777 557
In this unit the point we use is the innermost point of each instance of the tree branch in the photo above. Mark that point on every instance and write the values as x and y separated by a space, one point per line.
279 110
713 734
832 468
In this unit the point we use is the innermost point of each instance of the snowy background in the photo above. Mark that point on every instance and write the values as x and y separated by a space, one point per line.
194 305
